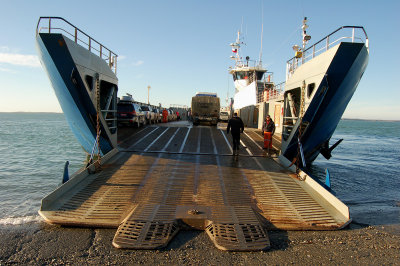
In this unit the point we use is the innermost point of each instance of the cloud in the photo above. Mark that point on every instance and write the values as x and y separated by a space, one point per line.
7 70
19 59
138 63
121 57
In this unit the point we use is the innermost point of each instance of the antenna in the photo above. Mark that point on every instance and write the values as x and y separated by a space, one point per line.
241 25
262 30
306 37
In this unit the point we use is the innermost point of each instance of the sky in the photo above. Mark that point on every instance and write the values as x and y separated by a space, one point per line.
180 47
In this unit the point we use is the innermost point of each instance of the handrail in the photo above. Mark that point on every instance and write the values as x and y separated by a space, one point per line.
111 58
295 62
274 93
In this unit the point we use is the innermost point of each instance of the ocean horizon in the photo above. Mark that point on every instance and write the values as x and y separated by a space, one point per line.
343 118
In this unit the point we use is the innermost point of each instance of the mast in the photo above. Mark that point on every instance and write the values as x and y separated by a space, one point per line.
235 49
306 37
260 60
262 30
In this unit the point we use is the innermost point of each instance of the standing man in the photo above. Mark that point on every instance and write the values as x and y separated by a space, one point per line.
165 115
268 130
235 126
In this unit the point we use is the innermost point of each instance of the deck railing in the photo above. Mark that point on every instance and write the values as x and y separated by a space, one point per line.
60 25
271 93
342 34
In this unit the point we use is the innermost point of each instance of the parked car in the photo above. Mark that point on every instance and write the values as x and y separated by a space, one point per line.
130 113
158 115
223 116
171 115
149 114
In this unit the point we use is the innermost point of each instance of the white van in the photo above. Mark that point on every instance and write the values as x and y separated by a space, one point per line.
223 116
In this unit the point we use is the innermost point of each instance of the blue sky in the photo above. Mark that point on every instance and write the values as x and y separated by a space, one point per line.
180 47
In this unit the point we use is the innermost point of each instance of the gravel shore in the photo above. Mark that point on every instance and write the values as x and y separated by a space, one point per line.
41 243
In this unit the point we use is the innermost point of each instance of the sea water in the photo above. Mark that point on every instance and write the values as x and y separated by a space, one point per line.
33 150
34 147
365 169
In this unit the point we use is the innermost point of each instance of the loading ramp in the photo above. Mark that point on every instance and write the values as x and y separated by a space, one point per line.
171 178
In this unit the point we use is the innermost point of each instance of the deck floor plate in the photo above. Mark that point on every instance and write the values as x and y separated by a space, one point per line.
148 196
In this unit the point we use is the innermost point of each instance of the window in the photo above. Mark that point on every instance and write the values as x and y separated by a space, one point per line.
242 75
89 82
125 108
259 75
310 90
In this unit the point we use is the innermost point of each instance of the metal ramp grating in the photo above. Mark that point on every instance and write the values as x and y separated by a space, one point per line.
238 237
229 228
237 229
147 227
144 234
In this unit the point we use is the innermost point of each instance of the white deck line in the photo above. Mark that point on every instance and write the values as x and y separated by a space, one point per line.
247 149
253 141
184 140
151 144
143 138
213 142
227 142
199 141
170 139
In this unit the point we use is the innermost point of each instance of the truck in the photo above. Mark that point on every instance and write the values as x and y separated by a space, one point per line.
205 108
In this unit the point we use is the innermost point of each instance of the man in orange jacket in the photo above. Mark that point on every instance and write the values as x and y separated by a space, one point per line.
268 132
165 116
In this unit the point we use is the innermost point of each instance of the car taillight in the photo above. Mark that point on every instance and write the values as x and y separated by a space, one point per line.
132 113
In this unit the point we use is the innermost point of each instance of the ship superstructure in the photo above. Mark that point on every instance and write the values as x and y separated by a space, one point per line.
253 84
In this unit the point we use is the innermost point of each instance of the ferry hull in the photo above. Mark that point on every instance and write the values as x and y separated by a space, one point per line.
332 97
57 56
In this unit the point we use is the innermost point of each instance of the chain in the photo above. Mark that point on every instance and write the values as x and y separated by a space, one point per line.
98 116
302 103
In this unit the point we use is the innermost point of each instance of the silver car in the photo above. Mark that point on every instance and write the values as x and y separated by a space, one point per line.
149 114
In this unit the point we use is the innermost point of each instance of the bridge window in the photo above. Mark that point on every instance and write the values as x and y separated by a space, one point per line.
242 75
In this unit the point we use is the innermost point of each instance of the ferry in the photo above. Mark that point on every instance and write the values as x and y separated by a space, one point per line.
82 72
166 178
307 107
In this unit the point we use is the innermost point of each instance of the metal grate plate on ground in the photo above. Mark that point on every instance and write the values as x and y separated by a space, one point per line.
148 227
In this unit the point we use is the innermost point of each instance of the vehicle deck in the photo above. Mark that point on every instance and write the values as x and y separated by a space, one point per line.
175 177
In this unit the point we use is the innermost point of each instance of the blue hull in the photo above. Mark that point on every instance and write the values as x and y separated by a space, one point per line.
327 107
70 90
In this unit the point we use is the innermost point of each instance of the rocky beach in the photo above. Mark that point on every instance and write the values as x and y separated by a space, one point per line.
43 244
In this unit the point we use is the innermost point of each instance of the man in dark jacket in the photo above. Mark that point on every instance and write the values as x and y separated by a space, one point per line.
235 126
